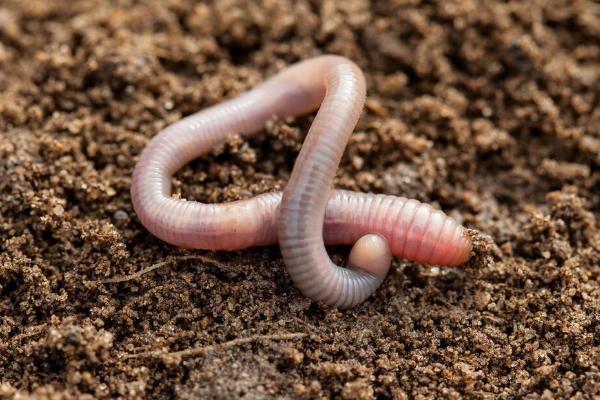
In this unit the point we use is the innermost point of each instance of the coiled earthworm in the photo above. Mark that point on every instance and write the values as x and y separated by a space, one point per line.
309 213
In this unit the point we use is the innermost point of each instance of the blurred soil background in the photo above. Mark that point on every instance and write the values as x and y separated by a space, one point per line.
488 110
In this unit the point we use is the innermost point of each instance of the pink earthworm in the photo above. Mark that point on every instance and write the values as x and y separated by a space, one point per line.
309 213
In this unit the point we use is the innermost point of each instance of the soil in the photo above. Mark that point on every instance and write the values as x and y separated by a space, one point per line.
488 110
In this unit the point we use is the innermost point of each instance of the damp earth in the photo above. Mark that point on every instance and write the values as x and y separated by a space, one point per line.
487 110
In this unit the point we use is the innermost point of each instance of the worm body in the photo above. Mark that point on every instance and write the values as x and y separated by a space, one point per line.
309 213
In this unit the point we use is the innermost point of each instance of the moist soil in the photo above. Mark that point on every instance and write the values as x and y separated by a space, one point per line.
488 110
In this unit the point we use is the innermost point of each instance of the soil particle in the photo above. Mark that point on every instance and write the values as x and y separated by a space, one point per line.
488 110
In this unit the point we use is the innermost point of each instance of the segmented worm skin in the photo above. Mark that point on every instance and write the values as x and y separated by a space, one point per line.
309 213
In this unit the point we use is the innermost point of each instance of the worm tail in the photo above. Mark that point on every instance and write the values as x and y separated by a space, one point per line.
415 231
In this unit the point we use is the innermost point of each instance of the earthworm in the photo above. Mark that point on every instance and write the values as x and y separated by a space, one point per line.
309 213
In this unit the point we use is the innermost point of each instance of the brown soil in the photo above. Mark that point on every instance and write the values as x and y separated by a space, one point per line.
488 110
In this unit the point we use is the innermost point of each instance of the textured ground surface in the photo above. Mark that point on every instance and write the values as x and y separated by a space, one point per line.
490 111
